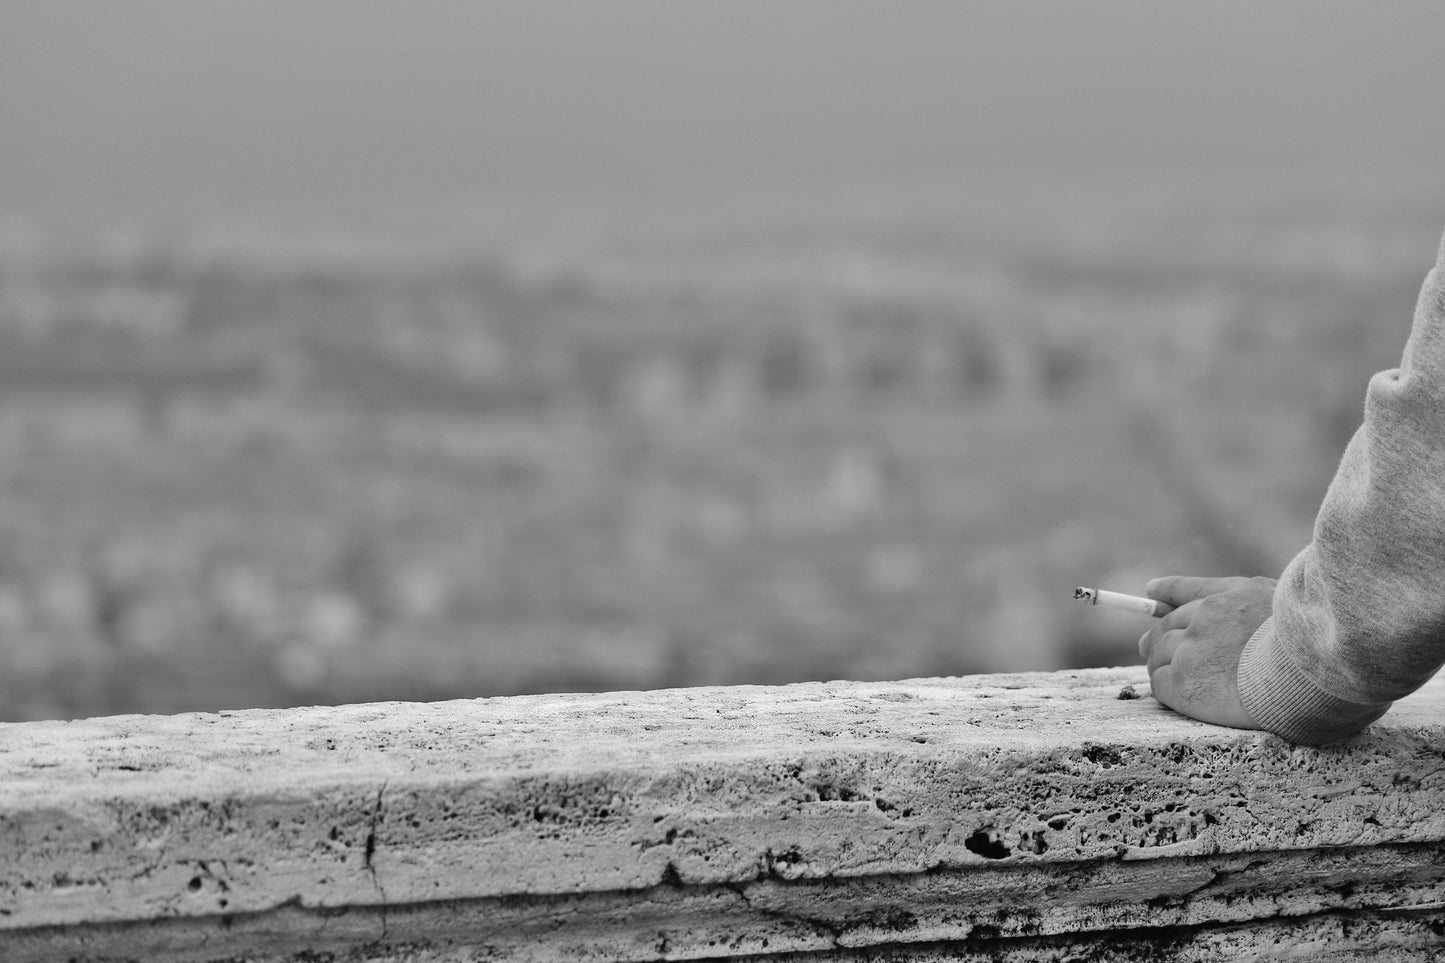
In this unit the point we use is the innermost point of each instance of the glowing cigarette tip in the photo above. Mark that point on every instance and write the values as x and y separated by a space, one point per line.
1125 603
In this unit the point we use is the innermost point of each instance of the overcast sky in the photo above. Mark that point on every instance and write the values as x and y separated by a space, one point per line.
149 106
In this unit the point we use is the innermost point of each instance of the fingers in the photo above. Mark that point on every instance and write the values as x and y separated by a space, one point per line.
1161 642
1178 589
1162 652
1177 619
1165 686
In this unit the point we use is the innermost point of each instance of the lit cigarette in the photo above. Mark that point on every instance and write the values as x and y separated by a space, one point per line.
1126 603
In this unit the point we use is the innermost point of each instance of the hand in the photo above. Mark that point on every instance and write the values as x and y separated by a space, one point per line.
1193 653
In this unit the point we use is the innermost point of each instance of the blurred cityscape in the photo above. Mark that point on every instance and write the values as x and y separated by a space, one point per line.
840 435
248 471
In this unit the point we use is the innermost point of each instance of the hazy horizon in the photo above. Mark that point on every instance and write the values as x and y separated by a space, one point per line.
327 112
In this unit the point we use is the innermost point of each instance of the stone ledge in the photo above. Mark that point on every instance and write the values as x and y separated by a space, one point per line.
701 823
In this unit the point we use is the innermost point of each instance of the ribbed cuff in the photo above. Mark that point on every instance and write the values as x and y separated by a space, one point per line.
1279 697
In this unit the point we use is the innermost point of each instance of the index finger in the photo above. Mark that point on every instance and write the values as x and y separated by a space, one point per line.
1178 589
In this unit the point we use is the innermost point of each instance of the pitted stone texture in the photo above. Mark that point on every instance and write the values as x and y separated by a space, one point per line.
718 793
1140 904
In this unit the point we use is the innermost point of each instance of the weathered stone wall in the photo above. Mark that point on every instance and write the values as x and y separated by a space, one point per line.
1011 817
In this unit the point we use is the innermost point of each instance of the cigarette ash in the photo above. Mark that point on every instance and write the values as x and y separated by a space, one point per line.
1086 595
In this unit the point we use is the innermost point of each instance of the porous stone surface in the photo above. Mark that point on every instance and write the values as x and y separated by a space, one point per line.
1002 813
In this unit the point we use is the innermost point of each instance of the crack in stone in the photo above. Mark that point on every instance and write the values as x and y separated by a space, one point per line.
378 815
834 931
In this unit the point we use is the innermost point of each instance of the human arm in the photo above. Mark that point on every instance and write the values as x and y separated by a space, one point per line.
1358 618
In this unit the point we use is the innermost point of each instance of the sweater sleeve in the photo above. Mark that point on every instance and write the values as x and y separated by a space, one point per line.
1359 615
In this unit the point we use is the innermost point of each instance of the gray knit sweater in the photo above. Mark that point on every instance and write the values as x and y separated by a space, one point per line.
1359 615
